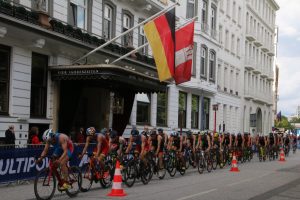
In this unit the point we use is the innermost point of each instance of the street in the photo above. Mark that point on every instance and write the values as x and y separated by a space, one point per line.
269 180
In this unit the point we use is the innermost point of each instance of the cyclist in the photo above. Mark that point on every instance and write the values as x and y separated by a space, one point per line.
262 145
63 150
227 140
176 144
138 143
239 143
164 137
286 142
217 146
157 146
116 143
271 142
91 138
294 136
204 142
190 143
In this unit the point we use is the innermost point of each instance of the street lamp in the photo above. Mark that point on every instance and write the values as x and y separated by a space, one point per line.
215 108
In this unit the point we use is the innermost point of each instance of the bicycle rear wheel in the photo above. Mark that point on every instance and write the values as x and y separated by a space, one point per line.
87 177
201 164
129 173
44 185
75 180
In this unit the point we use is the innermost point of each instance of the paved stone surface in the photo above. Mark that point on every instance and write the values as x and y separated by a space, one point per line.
257 181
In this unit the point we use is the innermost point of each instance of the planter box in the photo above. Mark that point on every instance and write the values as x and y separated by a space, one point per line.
7 11
21 13
33 17
87 38
95 41
57 26
78 34
69 31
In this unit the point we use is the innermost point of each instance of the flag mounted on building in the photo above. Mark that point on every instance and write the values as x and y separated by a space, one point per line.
184 46
160 34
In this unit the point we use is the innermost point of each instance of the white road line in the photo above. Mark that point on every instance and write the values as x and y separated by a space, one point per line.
198 194
239 182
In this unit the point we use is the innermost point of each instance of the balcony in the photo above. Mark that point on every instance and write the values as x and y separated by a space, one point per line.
258 42
149 6
250 35
249 63
265 47
249 94
272 51
271 76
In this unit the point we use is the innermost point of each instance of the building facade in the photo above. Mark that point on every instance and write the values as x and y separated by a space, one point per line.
41 86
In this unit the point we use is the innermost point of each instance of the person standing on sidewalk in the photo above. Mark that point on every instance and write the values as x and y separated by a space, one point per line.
10 137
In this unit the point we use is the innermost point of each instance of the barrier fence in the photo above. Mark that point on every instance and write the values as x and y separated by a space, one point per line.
19 163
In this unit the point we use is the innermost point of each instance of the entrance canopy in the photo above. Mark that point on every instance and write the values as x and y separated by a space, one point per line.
112 76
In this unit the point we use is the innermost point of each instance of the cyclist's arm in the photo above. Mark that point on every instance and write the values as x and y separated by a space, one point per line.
209 144
181 143
159 138
143 145
45 151
64 146
99 145
194 142
86 145
129 145
121 141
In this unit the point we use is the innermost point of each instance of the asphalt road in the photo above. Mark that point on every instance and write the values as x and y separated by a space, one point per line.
257 181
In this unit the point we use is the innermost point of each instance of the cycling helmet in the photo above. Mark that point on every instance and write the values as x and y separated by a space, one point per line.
174 134
48 134
103 131
135 132
145 133
189 133
160 130
216 134
90 131
113 134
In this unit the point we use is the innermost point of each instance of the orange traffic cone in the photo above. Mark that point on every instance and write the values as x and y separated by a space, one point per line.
117 190
234 167
281 157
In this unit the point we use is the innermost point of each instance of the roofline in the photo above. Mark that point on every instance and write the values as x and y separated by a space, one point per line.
275 4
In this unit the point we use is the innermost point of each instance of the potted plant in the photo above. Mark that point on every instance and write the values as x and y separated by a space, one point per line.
68 30
78 34
21 13
33 17
57 26
41 8
6 8
95 41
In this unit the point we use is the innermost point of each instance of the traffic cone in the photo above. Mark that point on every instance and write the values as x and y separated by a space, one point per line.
234 167
117 190
281 157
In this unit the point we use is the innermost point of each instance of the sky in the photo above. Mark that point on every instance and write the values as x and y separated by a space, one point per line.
288 56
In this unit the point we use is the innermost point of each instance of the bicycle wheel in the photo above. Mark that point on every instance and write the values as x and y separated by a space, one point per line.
172 166
181 168
162 172
106 179
44 185
209 165
87 177
75 180
214 161
201 164
129 173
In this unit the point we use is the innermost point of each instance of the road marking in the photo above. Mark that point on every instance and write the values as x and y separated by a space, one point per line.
198 194
239 182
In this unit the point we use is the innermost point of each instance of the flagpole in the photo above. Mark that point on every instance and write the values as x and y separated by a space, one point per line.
124 33
131 52
146 44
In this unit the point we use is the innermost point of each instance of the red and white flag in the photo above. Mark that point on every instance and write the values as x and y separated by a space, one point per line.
184 53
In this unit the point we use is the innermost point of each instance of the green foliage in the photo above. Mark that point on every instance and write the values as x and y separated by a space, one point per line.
284 123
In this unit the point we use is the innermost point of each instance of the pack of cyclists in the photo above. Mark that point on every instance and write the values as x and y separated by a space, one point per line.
216 147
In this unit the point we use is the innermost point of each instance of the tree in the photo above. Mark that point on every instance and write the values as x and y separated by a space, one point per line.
295 120
284 123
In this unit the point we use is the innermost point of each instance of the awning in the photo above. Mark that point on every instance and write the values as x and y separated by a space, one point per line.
143 98
111 75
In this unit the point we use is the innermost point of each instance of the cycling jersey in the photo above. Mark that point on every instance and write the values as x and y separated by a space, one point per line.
233 138
261 141
216 142
226 140
104 145
204 142
176 142
58 150
271 139
239 140
137 143
287 141
115 144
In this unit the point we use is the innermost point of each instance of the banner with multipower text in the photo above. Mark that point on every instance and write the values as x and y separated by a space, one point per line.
19 163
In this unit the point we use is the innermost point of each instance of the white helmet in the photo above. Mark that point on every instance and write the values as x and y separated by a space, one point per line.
47 135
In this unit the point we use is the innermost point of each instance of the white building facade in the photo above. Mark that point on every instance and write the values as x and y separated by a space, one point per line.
232 68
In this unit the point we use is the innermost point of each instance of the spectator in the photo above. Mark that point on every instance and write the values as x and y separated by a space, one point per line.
80 136
34 136
10 135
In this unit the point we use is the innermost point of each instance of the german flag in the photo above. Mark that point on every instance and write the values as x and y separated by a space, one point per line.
160 33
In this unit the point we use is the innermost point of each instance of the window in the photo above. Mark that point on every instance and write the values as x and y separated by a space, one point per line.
41 5
204 13
182 110
162 104
108 20
212 65
194 59
78 13
213 22
143 108
191 10
195 112
203 61
127 24
4 79
38 99
142 39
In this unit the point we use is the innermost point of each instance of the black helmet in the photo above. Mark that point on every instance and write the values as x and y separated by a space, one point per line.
145 133
153 132
189 133
113 134
160 130
135 132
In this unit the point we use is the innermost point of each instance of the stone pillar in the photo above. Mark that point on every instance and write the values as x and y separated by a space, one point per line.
189 111
153 112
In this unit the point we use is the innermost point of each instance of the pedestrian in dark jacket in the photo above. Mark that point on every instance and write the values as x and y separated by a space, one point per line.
10 135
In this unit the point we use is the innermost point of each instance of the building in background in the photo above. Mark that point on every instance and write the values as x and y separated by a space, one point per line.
40 86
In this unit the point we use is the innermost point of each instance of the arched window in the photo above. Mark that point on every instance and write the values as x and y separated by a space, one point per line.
203 61
212 66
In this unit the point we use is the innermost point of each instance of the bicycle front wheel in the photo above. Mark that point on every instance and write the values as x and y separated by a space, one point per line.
87 180
75 180
44 185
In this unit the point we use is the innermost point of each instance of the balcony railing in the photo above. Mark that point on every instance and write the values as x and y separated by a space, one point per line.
29 15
